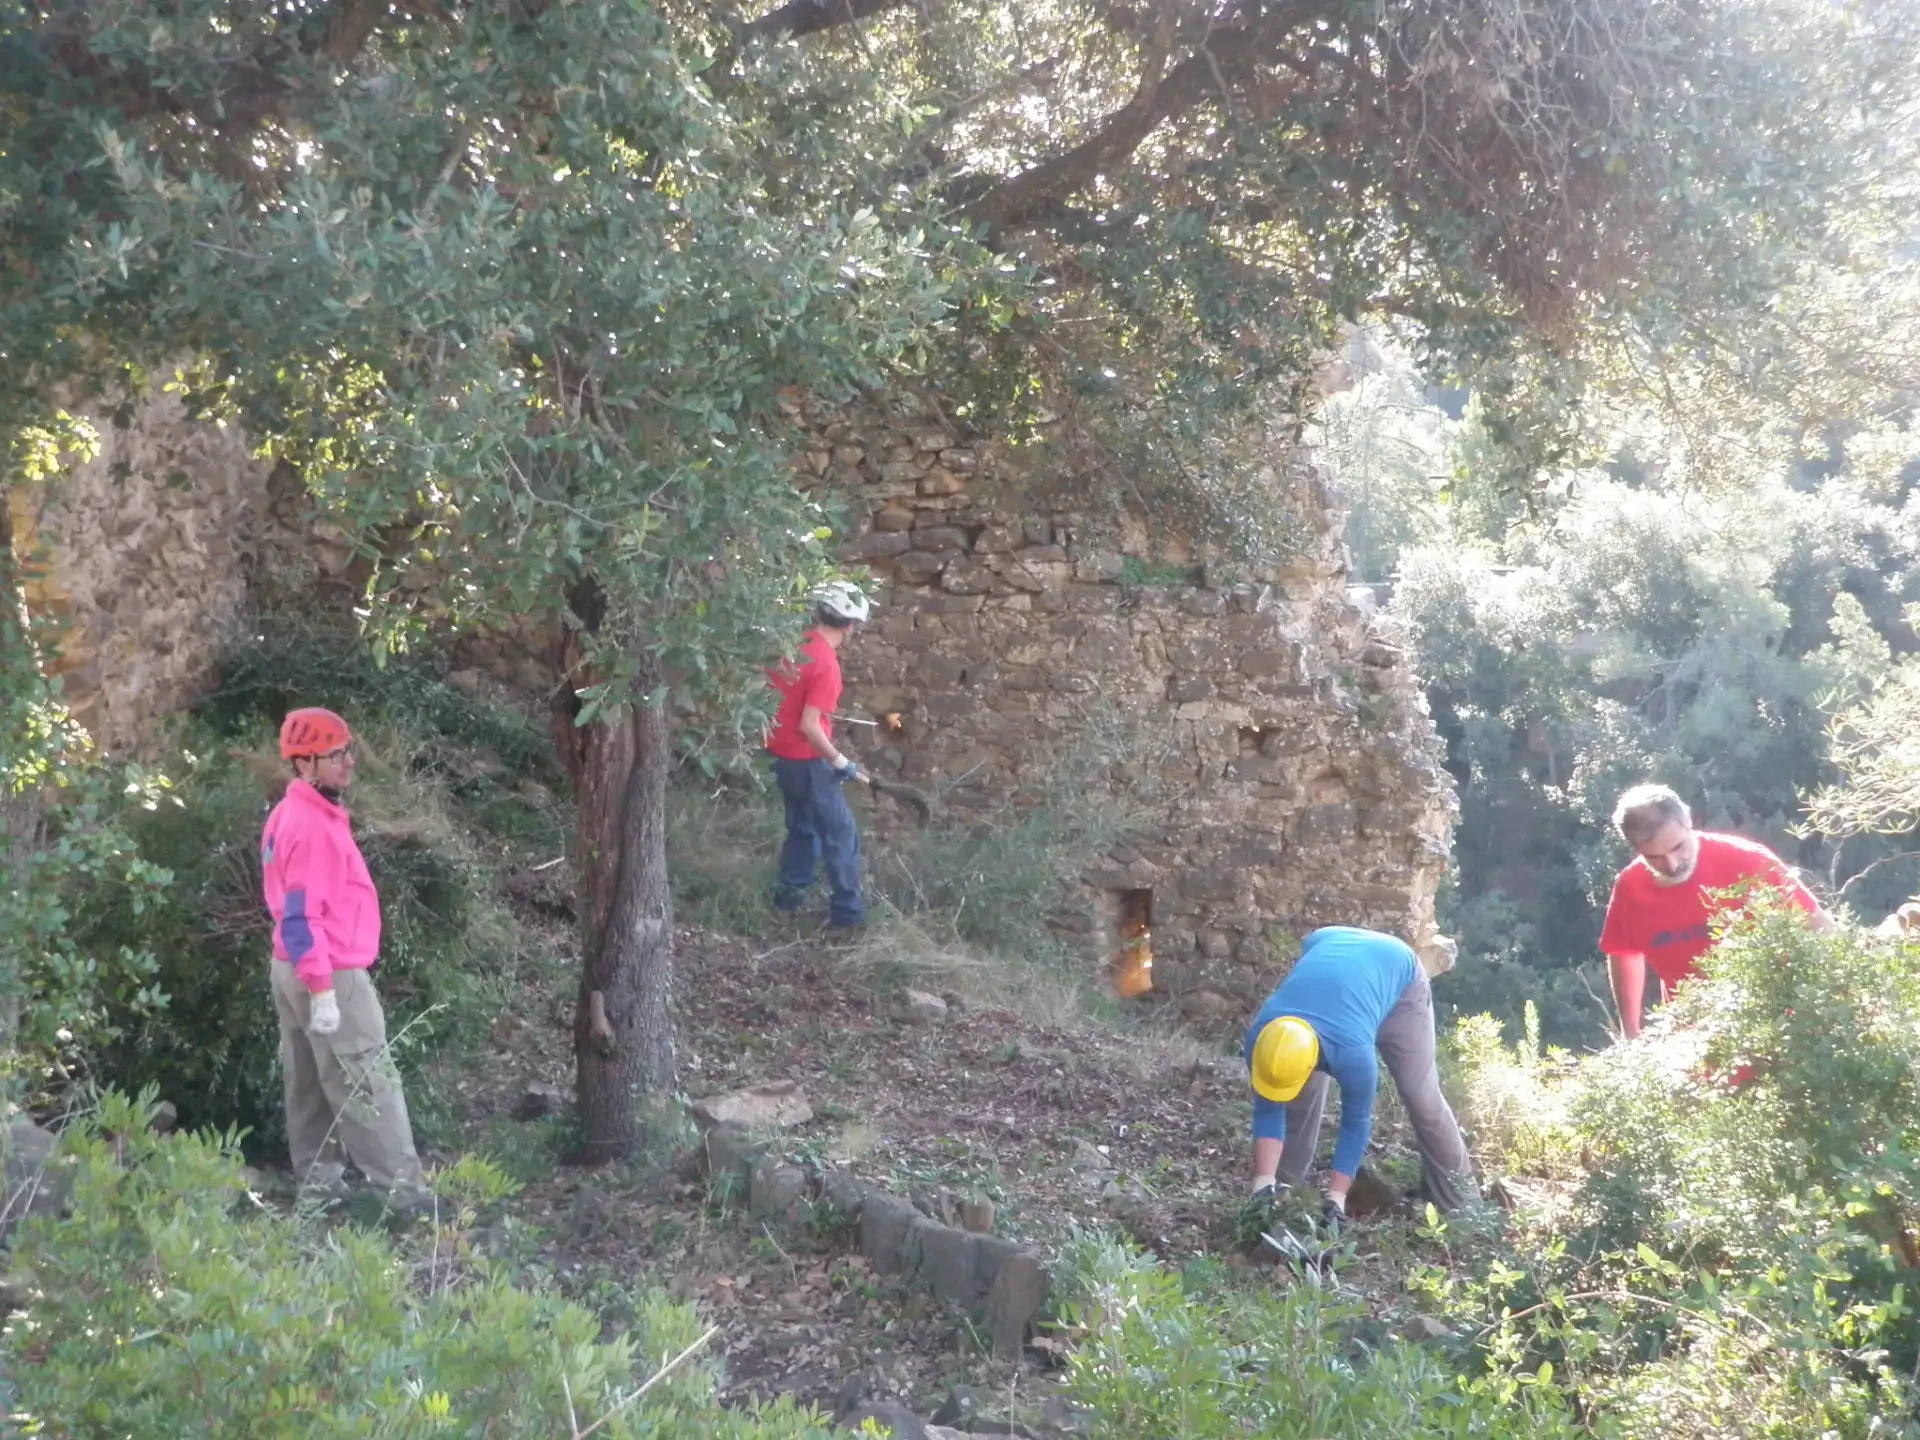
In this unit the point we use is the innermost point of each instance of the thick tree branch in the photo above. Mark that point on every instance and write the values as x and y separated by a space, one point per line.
1228 60
808 17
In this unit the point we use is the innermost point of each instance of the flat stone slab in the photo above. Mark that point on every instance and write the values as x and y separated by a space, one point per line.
771 1105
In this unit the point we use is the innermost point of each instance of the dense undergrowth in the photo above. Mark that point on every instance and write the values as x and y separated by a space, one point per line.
173 1303
1720 1235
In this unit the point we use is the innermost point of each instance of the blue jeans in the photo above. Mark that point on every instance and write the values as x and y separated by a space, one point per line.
819 823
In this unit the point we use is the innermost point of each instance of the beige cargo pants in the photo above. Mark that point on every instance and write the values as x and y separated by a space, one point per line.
343 1093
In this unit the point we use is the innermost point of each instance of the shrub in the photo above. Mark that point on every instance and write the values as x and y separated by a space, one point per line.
1156 1361
1737 1255
171 1303
1515 1100
65 991
1777 1112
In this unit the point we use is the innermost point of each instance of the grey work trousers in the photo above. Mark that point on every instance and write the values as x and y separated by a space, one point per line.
344 1100
1407 1044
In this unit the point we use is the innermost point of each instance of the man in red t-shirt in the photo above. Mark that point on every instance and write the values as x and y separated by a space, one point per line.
811 770
1662 903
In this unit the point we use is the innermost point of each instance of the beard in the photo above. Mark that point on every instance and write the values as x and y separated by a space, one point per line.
1680 876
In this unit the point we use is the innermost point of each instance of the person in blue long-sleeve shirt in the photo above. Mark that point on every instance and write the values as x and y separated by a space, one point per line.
1353 998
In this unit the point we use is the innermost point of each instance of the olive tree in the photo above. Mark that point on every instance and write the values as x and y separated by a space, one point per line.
510 290
517 285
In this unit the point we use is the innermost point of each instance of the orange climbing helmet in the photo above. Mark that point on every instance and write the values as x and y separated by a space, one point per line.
312 731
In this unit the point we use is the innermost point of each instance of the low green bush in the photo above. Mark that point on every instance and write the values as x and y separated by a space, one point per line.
1770 1127
1728 1238
1157 1360
170 1302
65 992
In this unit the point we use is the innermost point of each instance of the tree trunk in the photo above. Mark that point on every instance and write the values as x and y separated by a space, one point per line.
21 811
623 1024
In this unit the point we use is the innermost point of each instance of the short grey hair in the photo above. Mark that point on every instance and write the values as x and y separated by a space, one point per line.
1644 809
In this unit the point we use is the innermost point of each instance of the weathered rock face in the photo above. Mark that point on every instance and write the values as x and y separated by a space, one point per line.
1296 776
144 558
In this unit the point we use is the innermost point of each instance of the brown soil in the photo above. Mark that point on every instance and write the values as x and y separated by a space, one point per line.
1059 1127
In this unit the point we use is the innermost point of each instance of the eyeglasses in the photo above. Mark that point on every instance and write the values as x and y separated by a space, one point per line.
345 752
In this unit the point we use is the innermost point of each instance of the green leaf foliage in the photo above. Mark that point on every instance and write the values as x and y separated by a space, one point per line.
1727 1243
171 1302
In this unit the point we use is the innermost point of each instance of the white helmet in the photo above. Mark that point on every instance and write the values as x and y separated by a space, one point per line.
842 600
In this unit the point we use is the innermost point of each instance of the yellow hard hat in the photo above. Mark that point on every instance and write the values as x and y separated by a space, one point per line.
1284 1055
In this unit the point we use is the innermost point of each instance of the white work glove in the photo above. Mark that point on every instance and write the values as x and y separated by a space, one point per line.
847 769
324 1018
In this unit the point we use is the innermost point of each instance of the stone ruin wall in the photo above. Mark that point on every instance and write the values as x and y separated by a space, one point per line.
150 557
142 559
1298 777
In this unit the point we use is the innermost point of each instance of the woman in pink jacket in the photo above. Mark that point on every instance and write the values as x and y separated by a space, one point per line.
344 1100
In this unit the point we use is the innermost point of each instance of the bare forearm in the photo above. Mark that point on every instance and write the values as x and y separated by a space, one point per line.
1629 976
1266 1159
816 736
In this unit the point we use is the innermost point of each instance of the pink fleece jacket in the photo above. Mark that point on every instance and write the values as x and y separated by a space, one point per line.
326 914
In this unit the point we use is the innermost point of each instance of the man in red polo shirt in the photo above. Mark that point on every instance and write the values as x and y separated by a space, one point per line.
1663 902
810 768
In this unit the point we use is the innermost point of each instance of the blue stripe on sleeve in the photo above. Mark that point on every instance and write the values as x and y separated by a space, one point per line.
296 935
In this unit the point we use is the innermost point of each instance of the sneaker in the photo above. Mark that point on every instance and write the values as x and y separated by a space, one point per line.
842 937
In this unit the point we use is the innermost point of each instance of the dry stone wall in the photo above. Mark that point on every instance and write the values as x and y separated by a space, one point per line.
1296 777
142 558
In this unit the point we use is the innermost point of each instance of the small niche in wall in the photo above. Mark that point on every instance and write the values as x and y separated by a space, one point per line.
893 725
1133 925
1252 737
